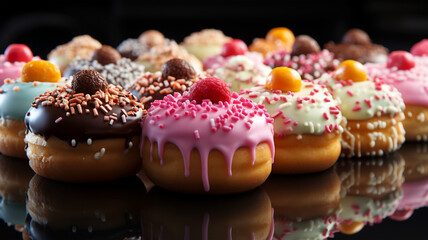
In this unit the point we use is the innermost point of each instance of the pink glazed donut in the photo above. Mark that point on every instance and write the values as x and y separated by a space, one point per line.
207 141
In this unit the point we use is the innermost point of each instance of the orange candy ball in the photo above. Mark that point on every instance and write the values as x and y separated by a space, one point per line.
350 228
351 70
284 79
40 71
282 34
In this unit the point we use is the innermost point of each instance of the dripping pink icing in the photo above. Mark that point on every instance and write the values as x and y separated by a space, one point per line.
224 126
412 84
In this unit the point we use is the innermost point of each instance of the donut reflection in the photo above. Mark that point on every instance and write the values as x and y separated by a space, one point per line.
15 174
58 210
370 190
170 215
415 186
305 206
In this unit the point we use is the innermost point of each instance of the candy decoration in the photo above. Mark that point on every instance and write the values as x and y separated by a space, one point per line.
40 71
282 34
400 59
284 79
210 88
233 48
420 48
18 53
351 70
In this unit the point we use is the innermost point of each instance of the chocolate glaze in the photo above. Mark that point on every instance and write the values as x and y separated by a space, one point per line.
40 120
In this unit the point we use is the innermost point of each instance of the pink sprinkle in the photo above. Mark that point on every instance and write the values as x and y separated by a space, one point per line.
295 123
204 115
253 95
196 134
350 93
299 106
177 116
368 102
287 121
276 114
355 207
161 126
248 125
226 128
235 95
326 100
269 120
325 116
356 108
327 129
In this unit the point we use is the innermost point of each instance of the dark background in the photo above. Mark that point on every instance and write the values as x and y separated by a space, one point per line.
45 24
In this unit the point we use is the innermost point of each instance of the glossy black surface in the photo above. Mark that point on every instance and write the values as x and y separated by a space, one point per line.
309 206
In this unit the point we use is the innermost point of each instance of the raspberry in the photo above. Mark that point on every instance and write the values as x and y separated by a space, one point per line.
18 53
233 48
401 59
210 88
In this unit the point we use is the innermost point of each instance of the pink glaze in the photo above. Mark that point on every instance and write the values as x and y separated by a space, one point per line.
207 126
217 61
412 83
10 70
415 194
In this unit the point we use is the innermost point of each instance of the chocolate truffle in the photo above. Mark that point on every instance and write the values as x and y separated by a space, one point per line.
88 82
178 68
304 44
106 55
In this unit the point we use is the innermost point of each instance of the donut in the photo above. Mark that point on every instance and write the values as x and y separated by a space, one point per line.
205 43
15 99
170 215
108 61
132 48
372 111
207 140
154 59
230 49
415 186
357 45
306 57
13 59
86 132
15 175
370 190
58 210
278 38
307 129
241 72
80 46
304 206
177 75
411 81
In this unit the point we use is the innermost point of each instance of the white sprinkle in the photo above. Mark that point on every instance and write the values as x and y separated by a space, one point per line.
89 141
100 154
73 142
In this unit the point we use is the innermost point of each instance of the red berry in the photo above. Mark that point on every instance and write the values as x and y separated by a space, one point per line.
401 59
18 53
210 88
233 48
420 48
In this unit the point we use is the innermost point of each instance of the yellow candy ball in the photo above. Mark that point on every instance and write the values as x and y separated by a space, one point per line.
40 71
284 79
282 34
351 70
